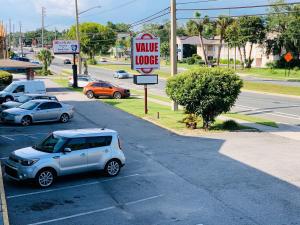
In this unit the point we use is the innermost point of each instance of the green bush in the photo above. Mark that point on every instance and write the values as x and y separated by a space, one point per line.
92 61
205 92
5 78
225 61
196 57
230 125
190 61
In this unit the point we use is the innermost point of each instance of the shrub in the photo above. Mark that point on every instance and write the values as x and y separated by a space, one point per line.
184 60
191 121
271 65
205 92
225 61
190 61
296 68
230 125
5 78
92 61
196 57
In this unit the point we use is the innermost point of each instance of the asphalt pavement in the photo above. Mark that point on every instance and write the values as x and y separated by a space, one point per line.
280 109
224 178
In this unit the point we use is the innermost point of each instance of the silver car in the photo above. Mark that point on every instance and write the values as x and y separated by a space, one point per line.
24 98
36 111
67 152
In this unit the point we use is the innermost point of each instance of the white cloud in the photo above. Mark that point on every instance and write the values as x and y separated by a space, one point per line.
62 7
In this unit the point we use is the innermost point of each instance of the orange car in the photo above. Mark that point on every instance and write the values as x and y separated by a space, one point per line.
102 88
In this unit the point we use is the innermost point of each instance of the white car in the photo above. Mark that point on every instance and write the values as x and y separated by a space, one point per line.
121 74
82 81
67 152
20 88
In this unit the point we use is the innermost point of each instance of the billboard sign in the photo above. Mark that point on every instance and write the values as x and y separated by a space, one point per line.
66 47
145 53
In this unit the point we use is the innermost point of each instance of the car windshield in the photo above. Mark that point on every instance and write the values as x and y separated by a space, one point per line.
122 71
29 105
23 99
50 144
10 88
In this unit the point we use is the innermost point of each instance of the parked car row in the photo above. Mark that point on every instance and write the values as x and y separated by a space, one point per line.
26 102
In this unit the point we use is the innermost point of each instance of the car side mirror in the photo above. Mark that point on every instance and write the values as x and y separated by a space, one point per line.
67 150
38 109
110 87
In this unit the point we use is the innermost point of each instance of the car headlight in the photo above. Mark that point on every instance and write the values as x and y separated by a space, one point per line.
28 162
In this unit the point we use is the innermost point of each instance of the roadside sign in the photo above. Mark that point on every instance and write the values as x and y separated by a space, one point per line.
288 57
65 47
145 53
145 79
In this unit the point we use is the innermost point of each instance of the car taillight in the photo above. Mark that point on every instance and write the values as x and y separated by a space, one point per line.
119 143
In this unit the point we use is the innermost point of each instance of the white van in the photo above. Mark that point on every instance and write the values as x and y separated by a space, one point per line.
21 87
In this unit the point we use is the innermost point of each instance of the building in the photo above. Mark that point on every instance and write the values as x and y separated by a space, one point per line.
2 42
187 46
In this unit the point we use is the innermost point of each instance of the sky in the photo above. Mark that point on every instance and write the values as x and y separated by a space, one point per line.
60 14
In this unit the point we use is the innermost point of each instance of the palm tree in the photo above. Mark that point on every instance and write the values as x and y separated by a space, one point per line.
45 57
222 23
197 26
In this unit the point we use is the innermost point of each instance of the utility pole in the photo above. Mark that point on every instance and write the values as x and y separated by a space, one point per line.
173 46
43 24
78 35
9 37
55 34
20 39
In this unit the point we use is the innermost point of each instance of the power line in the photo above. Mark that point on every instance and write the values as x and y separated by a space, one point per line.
257 14
240 7
148 17
146 21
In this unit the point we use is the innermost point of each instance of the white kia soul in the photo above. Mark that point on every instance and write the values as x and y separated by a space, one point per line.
67 152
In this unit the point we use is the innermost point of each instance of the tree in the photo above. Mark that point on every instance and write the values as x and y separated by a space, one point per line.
165 49
205 92
46 58
119 27
94 38
221 25
283 23
198 27
252 29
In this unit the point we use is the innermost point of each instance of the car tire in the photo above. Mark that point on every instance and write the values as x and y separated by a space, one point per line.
112 168
117 95
26 121
90 94
64 118
8 99
45 178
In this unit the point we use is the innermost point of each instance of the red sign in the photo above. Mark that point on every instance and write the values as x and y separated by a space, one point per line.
288 57
145 53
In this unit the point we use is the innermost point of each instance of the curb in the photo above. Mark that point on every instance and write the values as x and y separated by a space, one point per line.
270 93
5 220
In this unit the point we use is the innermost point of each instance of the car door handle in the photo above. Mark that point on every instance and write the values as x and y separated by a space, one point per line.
82 154
56 157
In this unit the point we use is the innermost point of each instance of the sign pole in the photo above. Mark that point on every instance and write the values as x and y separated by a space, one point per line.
74 67
146 99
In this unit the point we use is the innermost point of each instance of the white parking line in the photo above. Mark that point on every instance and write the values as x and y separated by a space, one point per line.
33 137
8 138
70 187
3 158
95 211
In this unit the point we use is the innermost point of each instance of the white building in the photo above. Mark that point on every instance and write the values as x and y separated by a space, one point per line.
212 45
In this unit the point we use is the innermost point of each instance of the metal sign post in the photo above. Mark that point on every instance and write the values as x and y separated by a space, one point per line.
146 99
75 75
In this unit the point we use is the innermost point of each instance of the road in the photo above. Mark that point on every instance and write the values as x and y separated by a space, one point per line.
227 178
284 110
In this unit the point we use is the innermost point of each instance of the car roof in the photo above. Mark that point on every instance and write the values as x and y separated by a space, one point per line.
38 95
43 100
92 132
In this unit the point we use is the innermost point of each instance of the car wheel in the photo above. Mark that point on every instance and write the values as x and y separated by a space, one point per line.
90 94
112 168
8 99
45 178
26 121
64 118
117 95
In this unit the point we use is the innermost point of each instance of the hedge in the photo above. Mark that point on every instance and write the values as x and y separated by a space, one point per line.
5 78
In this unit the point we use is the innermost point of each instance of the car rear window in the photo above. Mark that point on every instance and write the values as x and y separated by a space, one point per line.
101 141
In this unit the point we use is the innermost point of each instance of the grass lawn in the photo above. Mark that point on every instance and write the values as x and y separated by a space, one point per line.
273 74
158 97
160 73
271 88
252 119
167 117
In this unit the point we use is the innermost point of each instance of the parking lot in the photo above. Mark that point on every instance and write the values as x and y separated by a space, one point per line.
168 179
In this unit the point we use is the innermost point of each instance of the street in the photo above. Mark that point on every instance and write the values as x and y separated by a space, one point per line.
277 108
224 178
